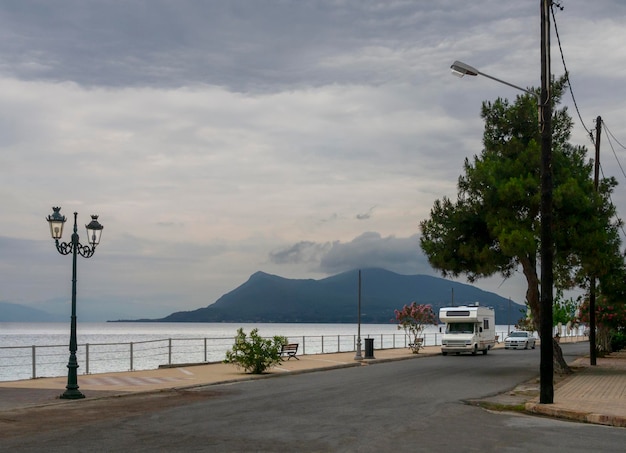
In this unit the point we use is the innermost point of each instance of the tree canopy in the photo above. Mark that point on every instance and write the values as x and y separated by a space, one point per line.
493 227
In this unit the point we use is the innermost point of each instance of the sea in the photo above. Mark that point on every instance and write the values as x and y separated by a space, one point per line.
33 350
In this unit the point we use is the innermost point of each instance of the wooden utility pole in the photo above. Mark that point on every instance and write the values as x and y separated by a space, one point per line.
546 367
592 281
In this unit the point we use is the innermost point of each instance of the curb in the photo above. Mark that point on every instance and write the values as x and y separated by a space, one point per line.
374 361
551 410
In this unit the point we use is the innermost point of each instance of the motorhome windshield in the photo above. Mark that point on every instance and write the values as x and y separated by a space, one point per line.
460 327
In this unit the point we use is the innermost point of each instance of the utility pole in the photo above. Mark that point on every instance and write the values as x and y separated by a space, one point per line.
546 367
358 355
592 281
508 319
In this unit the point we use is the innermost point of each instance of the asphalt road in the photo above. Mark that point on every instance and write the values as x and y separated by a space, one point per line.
411 405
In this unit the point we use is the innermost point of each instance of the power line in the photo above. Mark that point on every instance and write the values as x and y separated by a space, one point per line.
611 134
569 82
620 223
607 132
608 138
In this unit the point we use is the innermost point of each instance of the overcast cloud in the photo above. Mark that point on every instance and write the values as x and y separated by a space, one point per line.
300 138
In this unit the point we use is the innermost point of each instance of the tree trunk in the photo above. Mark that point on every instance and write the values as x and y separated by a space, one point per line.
560 365
532 291
533 299
603 343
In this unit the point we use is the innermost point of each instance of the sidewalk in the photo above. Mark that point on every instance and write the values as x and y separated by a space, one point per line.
592 394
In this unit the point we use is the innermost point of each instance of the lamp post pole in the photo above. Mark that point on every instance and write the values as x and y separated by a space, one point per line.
358 355
546 250
94 231
546 367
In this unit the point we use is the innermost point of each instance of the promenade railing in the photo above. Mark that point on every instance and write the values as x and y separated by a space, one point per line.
31 362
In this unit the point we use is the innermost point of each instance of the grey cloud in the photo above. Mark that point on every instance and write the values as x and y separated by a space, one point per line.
372 250
302 252
243 45
367 250
366 215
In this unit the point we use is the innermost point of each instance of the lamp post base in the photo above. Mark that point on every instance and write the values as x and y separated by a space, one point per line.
358 355
72 394
71 389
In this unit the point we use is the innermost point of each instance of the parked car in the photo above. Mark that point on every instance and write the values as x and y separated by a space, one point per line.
519 339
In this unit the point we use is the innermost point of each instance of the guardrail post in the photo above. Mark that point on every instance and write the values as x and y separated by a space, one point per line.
87 358
205 351
303 345
169 358
131 355
34 361
322 344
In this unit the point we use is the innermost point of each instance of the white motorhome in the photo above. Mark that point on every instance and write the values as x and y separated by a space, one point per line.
469 328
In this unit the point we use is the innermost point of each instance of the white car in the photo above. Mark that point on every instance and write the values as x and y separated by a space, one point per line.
519 339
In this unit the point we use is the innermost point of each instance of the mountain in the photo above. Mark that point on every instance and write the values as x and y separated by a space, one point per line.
270 298
20 313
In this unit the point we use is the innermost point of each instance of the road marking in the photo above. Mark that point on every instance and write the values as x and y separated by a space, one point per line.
329 361
128 380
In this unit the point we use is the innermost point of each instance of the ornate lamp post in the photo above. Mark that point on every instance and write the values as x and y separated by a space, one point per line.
94 231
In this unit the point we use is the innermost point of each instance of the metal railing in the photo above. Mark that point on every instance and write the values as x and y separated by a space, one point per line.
31 362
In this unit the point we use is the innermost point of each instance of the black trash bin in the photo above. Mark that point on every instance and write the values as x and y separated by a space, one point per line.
369 348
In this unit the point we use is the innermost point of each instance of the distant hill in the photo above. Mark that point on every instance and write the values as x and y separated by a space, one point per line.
19 313
270 298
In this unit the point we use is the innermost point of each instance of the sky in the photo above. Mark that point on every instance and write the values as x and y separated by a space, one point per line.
216 139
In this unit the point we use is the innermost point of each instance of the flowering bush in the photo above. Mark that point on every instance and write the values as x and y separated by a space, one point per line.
256 354
413 319
610 319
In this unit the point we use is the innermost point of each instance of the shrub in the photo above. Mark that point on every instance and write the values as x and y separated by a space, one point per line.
255 354
413 319
618 342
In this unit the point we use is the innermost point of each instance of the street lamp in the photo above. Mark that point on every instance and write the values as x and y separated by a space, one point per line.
94 231
546 368
461 69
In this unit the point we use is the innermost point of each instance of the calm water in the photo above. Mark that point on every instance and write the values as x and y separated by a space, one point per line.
27 334
109 347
